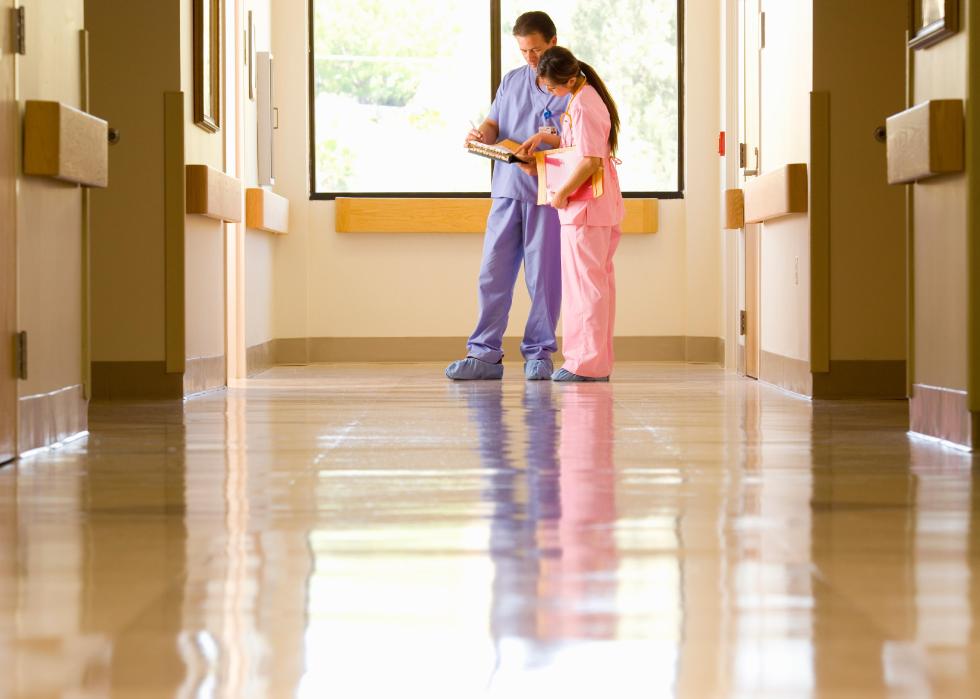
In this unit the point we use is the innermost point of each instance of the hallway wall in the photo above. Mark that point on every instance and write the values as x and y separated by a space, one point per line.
50 241
330 285
204 272
787 78
128 219
941 259
260 246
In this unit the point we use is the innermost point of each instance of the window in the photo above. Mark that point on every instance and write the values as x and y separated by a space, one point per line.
415 73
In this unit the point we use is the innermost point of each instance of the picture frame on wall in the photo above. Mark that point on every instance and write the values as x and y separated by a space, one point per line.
207 64
250 56
931 21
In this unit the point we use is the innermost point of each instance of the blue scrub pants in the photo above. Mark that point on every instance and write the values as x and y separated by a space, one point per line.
519 231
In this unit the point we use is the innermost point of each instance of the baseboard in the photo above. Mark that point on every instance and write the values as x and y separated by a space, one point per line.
259 358
48 418
943 413
877 379
785 372
135 381
869 379
444 349
204 374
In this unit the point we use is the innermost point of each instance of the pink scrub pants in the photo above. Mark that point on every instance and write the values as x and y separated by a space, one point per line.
588 303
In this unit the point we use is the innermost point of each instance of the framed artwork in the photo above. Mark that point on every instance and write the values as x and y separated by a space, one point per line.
931 21
207 64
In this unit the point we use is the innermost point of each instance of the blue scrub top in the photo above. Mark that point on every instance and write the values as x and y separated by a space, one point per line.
519 109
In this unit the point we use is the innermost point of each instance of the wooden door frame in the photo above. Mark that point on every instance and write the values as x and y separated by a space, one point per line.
9 122
751 247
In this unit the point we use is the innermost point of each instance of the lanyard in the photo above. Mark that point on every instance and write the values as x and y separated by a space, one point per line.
566 115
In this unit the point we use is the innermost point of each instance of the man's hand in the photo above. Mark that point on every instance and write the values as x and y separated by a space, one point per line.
474 135
530 168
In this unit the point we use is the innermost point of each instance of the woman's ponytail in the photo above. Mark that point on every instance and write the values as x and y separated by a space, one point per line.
596 82
559 65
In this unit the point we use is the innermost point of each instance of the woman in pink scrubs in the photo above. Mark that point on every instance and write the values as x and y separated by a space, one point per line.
589 227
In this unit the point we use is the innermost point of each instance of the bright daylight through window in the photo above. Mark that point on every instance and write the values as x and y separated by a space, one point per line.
396 83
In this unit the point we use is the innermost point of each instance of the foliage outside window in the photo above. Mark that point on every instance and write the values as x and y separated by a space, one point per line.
396 83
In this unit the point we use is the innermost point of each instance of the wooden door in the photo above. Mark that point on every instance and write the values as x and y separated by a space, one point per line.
8 240
750 161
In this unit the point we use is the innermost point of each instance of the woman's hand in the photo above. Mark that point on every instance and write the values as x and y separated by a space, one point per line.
559 200
531 144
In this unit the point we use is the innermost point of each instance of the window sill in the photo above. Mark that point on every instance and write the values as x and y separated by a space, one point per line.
454 215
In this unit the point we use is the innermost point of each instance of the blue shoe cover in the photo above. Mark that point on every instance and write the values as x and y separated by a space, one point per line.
538 369
472 369
566 375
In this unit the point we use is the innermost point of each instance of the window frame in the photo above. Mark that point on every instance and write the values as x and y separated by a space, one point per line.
495 76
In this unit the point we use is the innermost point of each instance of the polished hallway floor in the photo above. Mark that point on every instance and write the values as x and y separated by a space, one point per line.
377 531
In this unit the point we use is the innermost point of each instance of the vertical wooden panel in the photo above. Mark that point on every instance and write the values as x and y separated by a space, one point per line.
973 212
174 194
8 243
86 294
753 310
820 231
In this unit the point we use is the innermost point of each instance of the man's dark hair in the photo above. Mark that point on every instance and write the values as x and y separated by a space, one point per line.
535 23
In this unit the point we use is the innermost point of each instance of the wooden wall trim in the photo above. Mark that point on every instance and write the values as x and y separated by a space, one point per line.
174 227
420 215
214 194
266 211
734 209
820 231
48 418
781 192
973 210
925 141
65 143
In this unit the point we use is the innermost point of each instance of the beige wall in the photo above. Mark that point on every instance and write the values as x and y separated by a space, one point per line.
859 58
203 237
128 292
330 285
49 213
260 247
940 259
787 68
703 62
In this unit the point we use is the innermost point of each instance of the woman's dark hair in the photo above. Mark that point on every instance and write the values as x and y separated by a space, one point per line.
535 22
558 65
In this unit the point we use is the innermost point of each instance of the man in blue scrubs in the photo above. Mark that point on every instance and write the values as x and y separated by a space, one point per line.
517 228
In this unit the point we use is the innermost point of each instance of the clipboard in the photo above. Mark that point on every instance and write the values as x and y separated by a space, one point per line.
504 151
555 167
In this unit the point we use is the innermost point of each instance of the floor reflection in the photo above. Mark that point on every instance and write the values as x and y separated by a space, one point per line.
339 531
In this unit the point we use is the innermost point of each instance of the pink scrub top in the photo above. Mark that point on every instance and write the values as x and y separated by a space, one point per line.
585 126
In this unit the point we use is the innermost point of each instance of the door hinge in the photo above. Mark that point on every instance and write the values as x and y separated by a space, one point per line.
20 31
762 30
20 355
741 155
741 323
